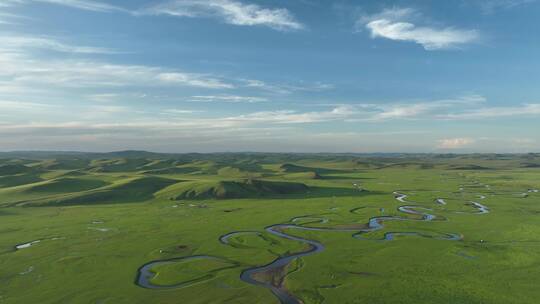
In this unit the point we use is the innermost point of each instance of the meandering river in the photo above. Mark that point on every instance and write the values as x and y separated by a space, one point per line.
272 275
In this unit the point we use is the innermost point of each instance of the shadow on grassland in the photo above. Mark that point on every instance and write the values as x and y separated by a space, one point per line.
322 192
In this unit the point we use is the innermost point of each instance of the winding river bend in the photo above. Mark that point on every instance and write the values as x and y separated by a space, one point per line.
272 275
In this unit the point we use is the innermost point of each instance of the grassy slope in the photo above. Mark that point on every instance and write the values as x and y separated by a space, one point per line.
13 169
48 188
66 185
231 189
17 180
101 246
137 189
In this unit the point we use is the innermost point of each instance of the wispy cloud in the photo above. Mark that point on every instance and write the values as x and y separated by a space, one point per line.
454 143
21 69
229 11
114 97
252 83
9 105
429 38
415 110
396 24
193 80
295 117
89 5
11 42
287 88
428 109
26 73
227 98
469 107
8 3
179 112
491 6
101 122
254 119
95 74
495 112
7 18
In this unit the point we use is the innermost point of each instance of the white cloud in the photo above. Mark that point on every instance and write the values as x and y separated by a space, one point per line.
429 38
178 111
454 143
230 11
193 80
287 88
101 120
14 43
532 109
104 97
9 105
228 98
315 87
113 97
393 13
19 70
83 4
490 6
252 83
403 111
71 123
470 107
295 117
243 120
393 24
418 110
24 73
8 3
88 5
6 18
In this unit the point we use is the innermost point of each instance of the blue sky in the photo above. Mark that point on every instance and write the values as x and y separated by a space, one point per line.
277 76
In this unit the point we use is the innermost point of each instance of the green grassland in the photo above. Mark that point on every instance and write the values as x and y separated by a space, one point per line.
99 218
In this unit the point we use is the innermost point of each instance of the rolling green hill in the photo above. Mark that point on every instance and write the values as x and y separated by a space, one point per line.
303 175
79 227
173 170
292 168
125 191
231 189
65 185
12 169
17 180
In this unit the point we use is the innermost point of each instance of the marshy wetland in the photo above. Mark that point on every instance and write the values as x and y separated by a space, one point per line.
269 228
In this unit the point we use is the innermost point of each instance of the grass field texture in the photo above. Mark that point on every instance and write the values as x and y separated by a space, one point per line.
78 228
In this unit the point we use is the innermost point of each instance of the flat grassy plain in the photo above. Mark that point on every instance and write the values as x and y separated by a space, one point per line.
85 224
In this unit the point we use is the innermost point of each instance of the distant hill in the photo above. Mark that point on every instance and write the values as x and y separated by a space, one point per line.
127 191
118 165
303 175
66 185
16 180
64 164
76 178
87 155
14 169
248 188
469 167
292 168
173 170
